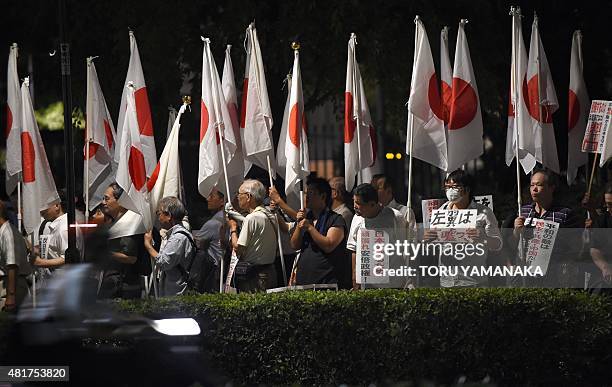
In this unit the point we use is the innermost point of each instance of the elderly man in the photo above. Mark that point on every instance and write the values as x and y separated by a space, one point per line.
256 243
384 189
55 237
176 252
542 189
125 243
339 198
212 238
13 261
371 215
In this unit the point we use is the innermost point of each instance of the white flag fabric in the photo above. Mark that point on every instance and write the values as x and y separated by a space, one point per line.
214 115
243 101
425 122
578 111
281 157
131 172
100 133
13 124
446 75
135 75
296 143
359 134
257 132
519 120
39 191
465 121
166 178
542 102
235 168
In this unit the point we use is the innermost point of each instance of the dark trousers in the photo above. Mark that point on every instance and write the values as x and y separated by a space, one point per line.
261 278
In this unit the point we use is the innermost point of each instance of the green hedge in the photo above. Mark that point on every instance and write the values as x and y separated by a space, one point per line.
534 336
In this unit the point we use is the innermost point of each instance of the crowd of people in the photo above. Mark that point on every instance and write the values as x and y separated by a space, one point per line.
316 244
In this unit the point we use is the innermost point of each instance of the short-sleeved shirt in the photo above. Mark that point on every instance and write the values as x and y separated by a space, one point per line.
13 249
258 236
346 214
318 267
388 219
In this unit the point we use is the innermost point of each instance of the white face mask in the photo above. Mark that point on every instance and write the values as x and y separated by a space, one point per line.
453 195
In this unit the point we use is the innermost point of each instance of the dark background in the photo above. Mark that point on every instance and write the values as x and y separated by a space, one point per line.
168 35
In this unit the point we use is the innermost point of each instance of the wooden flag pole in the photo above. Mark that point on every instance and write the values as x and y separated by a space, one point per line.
592 173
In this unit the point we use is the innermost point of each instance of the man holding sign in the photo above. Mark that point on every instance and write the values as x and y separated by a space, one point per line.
544 208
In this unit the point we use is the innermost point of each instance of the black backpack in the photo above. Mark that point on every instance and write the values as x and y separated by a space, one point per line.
200 268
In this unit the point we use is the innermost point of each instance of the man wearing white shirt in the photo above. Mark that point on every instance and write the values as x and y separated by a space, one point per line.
339 199
371 215
384 189
13 261
51 253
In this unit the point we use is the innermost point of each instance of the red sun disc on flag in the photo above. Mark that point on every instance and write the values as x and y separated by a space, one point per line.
533 103
93 148
464 105
9 120
28 158
446 100
294 126
434 97
349 122
136 166
143 112
573 111
153 178
203 120
109 134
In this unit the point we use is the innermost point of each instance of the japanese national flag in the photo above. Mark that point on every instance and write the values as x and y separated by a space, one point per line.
135 76
257 132
131 173
465 121
235 168
446 75
519 120
542 102
100 133
281 157
359 134
296 143
166 178
425 123
213 128
13 123
39 191
578 111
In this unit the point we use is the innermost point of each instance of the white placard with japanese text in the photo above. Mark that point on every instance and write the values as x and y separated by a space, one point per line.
366 262
539 248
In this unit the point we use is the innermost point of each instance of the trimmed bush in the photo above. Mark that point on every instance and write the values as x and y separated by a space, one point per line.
534 336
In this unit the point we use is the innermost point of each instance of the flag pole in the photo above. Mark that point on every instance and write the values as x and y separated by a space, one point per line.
592 173
19 215
516 13
219 125
411 118
357 108
87 141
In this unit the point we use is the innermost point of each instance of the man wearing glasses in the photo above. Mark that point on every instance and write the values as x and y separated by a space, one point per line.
255 244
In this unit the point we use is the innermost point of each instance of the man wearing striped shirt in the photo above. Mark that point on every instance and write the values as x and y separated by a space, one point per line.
542 189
